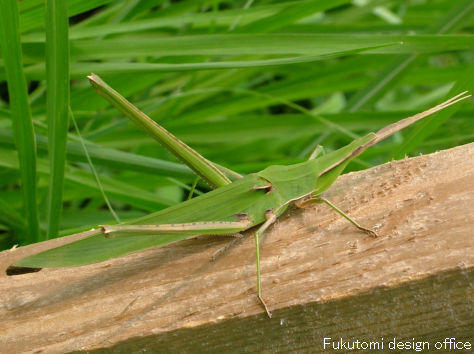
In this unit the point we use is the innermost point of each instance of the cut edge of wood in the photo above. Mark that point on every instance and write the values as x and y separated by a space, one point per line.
445 294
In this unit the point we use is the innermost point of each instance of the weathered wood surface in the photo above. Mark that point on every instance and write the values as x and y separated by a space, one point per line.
321 277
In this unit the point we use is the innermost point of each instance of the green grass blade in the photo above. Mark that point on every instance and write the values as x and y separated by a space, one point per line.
196 19
170 20
257 44
290 14
34 17
377 87
117 189
20 112
94 171
79 69
427 127
57 72
399 65
111 157
10 217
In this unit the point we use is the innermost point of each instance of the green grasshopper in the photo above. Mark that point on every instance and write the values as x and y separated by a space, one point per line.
232 207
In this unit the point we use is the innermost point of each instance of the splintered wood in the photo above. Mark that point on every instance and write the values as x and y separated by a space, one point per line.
322 278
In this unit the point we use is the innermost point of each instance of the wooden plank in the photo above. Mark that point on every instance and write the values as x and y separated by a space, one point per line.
321 277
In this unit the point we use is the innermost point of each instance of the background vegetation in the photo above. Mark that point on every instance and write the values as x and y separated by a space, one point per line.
246 83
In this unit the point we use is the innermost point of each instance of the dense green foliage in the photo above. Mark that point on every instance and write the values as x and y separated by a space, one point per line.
246 83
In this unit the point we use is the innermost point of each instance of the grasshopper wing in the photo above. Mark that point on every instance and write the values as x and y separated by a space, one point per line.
220 205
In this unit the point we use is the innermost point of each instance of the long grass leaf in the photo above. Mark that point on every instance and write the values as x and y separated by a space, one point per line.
399 65
57 72
12 218
423 130
257 44
196 19
94 171
111 157
238 44
20 112
80 69
292 13
34 17
118 190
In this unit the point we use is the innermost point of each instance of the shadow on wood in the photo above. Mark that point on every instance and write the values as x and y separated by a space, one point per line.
321 276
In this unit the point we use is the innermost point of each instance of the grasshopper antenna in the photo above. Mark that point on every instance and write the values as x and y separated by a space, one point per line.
395 127
401 124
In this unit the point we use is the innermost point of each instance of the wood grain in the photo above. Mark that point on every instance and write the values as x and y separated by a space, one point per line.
321 276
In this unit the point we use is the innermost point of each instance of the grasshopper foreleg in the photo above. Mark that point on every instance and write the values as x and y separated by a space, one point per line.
271 218
301 203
